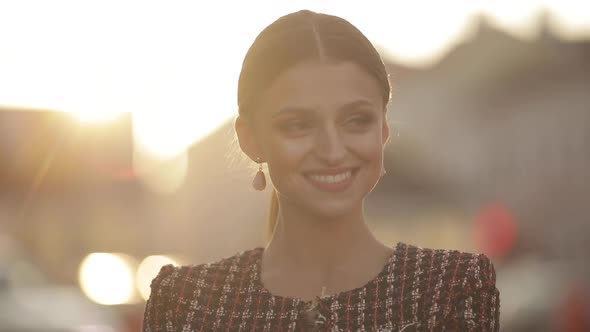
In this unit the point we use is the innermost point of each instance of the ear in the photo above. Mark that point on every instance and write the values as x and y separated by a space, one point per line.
247 138
385 130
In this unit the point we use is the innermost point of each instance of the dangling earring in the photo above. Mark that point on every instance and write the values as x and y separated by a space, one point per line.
259 182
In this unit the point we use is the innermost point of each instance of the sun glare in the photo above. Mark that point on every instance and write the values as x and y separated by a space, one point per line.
178 77
89 116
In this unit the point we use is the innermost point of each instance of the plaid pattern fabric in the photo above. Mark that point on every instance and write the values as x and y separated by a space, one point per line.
418 289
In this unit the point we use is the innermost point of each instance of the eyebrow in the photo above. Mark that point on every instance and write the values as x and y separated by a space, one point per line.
357 104
346 107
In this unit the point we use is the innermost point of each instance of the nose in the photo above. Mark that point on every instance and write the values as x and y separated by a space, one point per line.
329 146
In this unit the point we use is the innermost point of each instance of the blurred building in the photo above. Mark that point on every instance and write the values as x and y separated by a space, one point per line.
499 121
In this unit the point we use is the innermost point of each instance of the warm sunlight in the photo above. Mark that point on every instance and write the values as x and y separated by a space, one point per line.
161 175
175 66
91 115
515 17
415 33
570 19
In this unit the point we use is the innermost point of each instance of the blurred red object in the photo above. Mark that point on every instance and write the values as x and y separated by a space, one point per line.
573 315
134 320
495 230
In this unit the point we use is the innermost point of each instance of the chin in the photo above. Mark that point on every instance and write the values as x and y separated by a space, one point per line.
334 209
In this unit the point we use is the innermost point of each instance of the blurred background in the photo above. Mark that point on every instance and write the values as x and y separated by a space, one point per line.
117 151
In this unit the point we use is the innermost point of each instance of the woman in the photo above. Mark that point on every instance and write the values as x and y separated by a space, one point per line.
312 98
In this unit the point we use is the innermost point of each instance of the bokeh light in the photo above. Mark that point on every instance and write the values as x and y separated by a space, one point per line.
495 230
147 270
107 278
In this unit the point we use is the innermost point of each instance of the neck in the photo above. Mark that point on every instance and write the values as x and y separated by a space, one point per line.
310 256
310 242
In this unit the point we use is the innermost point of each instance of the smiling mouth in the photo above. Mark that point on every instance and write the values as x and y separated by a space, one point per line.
331 178
333 182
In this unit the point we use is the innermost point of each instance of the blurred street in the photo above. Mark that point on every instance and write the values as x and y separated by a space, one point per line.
490 152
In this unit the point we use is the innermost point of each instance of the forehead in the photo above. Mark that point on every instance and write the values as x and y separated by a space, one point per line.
321 86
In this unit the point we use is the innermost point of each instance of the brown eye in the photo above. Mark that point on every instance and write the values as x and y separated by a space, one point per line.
295 127
359 121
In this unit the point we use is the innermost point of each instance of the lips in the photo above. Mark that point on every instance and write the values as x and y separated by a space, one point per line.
331 180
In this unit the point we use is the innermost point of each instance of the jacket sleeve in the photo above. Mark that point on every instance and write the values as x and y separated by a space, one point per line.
158 314
478 306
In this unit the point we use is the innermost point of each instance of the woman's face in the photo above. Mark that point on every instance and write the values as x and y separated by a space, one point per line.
321 130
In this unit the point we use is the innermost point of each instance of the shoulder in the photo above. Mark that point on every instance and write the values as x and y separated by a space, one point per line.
176 287
462 283
459 267
174 281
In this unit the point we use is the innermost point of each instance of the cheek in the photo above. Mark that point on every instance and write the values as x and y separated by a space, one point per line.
368 147
286 155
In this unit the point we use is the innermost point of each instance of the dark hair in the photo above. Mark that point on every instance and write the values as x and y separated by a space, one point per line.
296 38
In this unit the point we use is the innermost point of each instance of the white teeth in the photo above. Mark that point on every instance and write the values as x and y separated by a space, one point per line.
331 178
